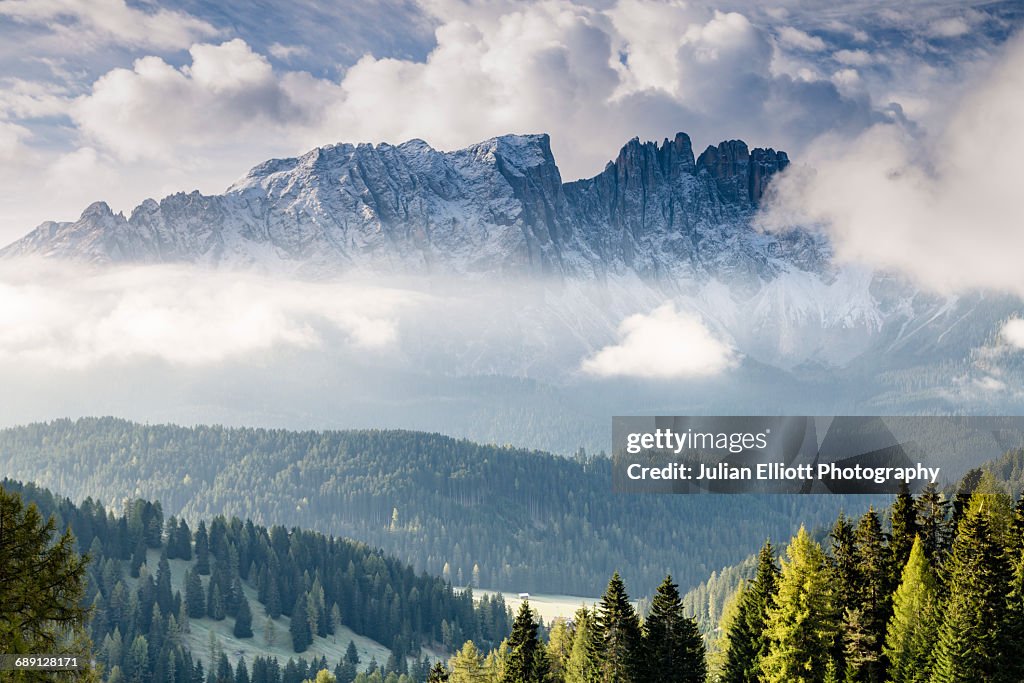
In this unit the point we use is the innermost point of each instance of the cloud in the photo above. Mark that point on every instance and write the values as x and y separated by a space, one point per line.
664 344
68 317
286 52
801 40
951 27
854 57
12 141
156 110
592 78
944 209
587 73
1013 333
109 21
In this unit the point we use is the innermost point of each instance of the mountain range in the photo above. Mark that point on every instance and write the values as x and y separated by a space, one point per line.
657 224
499 206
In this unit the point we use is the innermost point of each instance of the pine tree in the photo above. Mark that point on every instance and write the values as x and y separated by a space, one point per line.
973 638
747 643
618 635
302 634
673 650
913 629
243 619
802 623
527 660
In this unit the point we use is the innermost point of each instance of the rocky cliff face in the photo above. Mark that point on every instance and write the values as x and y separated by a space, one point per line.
499 206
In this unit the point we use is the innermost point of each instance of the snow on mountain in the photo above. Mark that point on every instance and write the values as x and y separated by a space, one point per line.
497 206
656 224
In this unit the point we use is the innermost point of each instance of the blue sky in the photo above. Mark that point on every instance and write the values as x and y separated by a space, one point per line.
119 101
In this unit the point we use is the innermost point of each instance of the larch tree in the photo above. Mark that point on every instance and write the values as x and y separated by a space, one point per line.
802 623
42 580
913 630
584 659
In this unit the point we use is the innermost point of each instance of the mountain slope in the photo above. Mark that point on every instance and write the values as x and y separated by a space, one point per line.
497 207
496 516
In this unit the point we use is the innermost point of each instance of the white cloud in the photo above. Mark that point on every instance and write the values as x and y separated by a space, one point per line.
588 73
286 52
592 78
945 210
1013 333
951 27
155 110
88 22
664 344
800 40
12 141
64 316
854 57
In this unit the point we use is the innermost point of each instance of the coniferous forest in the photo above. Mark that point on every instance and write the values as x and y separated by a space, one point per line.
929 589
488 516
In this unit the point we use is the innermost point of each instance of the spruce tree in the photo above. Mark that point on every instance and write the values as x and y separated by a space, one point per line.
973 637
215 606
802 623
913 630
673 651
904 527
202 550
747 642
302 634
243 619
438 674
194 600
1015 606
865 623
618 635
934 525
527 660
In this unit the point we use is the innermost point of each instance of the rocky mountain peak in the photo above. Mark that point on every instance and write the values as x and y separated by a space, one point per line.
741 174
497 206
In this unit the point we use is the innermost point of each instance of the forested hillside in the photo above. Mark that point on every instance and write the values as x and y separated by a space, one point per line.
495 517
285 588
930 591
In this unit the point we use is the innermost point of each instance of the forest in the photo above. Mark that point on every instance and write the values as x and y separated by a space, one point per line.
487 516
930 589
138 625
